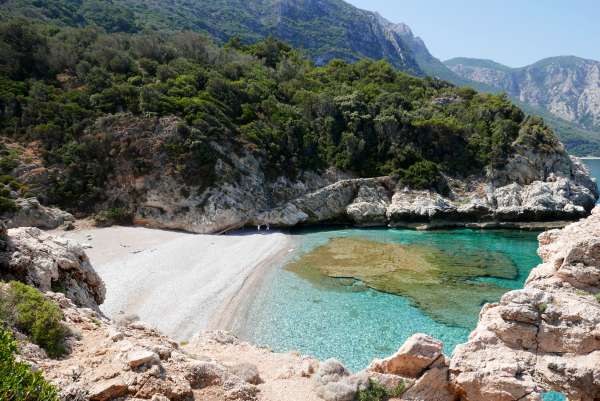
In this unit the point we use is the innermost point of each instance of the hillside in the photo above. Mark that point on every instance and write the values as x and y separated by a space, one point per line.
325 29
171 130
565 90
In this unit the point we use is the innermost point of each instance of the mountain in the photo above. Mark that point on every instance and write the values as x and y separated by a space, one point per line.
325 29
565 90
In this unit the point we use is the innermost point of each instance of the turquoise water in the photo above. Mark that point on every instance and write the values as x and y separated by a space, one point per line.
356 324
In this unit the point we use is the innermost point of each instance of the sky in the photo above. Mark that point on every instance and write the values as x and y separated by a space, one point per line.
512 32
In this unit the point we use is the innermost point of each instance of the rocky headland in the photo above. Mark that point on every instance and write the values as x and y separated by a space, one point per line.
541 338
538 187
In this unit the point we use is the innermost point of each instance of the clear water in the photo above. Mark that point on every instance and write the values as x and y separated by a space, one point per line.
354 324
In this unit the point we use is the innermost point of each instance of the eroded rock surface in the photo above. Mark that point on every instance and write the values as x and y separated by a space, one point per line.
545 336
51 263
535 185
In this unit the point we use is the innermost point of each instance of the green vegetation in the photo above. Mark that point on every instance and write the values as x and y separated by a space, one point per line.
112 216
25 308
17 381
59 86
597 296
327 30
377 392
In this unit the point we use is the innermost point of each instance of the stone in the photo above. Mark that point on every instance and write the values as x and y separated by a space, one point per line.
139 357
417 353
107 390
247 372
545 337
31 213
43 261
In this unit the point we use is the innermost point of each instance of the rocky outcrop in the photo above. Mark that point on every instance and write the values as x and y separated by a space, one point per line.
546 336
30 213
51 263
534 185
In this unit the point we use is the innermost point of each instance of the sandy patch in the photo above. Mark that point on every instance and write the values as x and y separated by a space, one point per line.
175 281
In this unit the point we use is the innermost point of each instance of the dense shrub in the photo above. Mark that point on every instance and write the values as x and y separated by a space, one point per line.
17 381
30 312
265 98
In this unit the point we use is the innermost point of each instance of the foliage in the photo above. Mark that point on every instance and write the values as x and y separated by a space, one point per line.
17 381
115 215
29 311
264 98
377 392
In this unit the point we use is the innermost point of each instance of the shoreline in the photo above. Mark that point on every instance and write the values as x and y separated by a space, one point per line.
179 283
233 314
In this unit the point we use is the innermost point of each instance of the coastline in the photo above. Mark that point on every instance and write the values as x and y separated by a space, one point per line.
179 283
233 314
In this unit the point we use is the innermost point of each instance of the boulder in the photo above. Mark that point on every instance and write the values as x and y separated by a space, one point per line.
31 213
107 390
46 262
545 337
139 357
416 355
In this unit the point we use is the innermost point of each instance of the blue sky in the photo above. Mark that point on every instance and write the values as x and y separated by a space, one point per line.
512 32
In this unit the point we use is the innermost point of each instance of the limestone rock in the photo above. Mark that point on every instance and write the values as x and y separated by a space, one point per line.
545 337
31 213
139 357
417 354
48 262
108 390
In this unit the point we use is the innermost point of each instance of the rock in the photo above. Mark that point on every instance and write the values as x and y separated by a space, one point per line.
333 382
545 337
48 262
203 374
331 370
115 335
139 357
432 386
247 372
31 213
417 353
107 390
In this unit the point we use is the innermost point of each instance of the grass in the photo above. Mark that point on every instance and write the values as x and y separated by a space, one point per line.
26 309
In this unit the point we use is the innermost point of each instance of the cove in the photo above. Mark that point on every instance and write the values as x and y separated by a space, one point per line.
355 320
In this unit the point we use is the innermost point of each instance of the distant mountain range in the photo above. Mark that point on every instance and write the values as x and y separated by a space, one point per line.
564 90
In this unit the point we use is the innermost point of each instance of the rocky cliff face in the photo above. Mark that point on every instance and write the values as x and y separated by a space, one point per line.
567 87
535 185
545 336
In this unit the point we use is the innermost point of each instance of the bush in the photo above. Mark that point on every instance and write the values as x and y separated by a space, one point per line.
29 311
423 175
115 215
377 392
17 381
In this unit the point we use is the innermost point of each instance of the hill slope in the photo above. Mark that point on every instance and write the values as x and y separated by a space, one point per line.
326 29
566 90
